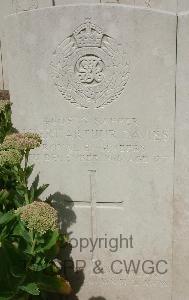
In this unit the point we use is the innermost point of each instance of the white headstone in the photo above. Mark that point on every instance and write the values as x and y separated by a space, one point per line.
127 2
62 2
4 64
1 72
5 9
109 1
181 207
26 5
168 5
183 5
98 83
8 7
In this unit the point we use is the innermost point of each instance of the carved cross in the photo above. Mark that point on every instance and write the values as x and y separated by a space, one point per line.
93 204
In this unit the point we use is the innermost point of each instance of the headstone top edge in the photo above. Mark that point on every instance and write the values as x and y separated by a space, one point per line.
161 11
183 13
115 5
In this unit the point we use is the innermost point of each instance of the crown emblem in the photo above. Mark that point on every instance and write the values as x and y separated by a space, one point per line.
89 67
88 35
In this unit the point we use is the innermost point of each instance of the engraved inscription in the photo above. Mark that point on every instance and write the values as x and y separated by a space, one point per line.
90 68
148 3
24 5
111 139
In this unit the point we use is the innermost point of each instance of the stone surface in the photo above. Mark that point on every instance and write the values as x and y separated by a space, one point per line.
181 219
109 1
183 5
8 7
62 2
1 72
4 63
5 9
26 5
127 2
101 93
167 5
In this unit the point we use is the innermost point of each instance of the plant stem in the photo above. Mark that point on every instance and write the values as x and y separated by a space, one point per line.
34 240
25 180
32 249
26 155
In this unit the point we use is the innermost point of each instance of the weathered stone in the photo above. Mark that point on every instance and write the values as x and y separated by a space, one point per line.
127 2
62 2
181 207
8 7
5 9
109 1
167 5
98 83
1 72
26 5
183 5
4 64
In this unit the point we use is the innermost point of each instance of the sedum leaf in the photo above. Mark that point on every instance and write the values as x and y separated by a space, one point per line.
49 243
7 217
30 288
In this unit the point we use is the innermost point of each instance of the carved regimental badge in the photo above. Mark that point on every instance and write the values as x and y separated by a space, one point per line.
90 68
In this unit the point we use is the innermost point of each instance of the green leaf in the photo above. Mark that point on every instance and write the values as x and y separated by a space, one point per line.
22 232
35 190
7 217
49 243
29 170
40 190
40 264
12 267
30 288
31 195
6 296
3 196
35 182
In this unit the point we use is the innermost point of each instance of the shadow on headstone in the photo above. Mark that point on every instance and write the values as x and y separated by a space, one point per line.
67 217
